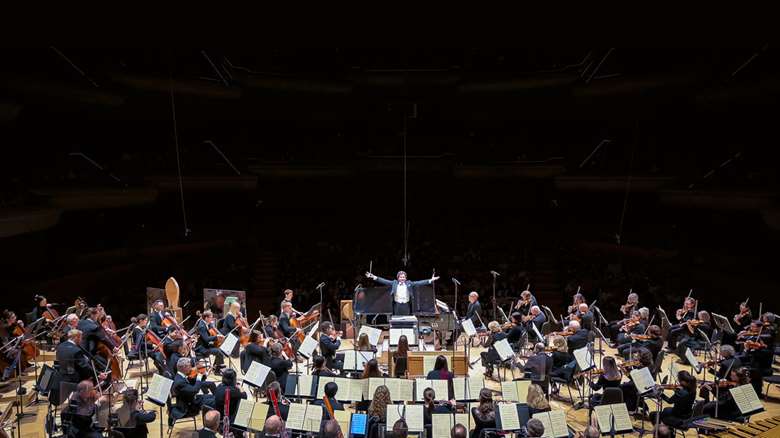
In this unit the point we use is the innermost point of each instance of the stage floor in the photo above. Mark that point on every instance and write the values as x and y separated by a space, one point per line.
577 418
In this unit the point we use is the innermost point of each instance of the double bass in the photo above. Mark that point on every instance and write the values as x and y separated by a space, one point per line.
304 321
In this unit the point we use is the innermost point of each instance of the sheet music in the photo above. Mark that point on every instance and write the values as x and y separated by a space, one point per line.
323 380
356 360
692 359
616 412
440 387
468 327
746 399
313 418
460 388
343 417
554 423
405 390
394 386
305 383
251 415
464 419
429 361
413 415
503 349
306 349
394 413
373 334
373 384
509 418
228 344
395 334
642 379
475 386
296 415
256 374
357 389
313 329
344 384
516 391
259 414
159 389
441 425
244 413
584 358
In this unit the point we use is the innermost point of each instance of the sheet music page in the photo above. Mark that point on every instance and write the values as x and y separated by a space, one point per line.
228 344
468 327
373 334
358 390
746 399
394 412
464 419
441 388
583 358
441 425
159 389
622 419
522 390
313 329
363 357
405 390
509 418
349 360
344 384
414 418
373 384
244 413
475 386
692 359
558 422
306 349
603 415
343 417
259 414
296 416
429 361
256 374
460 388
544 417
313 418
420 385
503 349
642 379
305 384
323 380
394 386
509 392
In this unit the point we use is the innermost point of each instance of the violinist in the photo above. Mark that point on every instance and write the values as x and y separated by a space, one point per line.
491 357
609 377
174 349
743 318
539 365
633 326
561 358
536 318
626 310
474 311
577 299
132 414
683 315
256 351
156 317
578 338
187 389
329 344
9 357
651 340
585 316
208 337
526 302
320 369
93 333
514 329
279 365
696 330
728 361
682 401
726 406
642 358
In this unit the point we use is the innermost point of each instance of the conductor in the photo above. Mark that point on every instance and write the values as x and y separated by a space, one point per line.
402 290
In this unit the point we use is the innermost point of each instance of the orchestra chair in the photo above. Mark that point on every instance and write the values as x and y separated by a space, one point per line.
490 433
658 364
557 382
546 328
612 396
770 380
375 427
176 415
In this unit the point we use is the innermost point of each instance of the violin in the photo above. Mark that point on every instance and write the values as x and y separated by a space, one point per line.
626 308
630 364
199 368
641 337
754 345
566 332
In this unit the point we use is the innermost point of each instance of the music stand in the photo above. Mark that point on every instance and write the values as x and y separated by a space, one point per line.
723 323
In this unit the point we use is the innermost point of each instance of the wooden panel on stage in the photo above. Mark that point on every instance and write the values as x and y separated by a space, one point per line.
373 300
456 360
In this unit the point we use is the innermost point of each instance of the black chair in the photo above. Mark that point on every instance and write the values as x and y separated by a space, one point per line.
612 396
176 415
546 328
659 362
770 380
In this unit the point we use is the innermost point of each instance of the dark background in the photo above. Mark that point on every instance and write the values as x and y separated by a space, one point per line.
487 153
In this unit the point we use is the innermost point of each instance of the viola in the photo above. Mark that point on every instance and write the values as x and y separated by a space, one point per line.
199 368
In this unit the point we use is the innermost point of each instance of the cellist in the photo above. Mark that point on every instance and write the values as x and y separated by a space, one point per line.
284 322
208 338
9 357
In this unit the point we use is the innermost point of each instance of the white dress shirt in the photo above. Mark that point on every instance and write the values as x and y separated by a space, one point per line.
401 293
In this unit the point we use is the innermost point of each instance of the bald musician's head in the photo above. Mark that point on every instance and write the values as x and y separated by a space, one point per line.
535 310
273 425
211 420
583 308
459 431
574 324
330 429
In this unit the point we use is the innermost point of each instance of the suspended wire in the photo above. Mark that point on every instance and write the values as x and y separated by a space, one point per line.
405 226
178 159
628 186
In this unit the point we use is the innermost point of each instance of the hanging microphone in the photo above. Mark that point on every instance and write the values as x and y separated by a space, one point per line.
454 280
321 285
495 274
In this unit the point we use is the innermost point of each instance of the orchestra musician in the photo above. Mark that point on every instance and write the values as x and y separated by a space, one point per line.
743 318
727 408
329 344
651 340
626 310
256 351
156 317
609 377
695 331
539 365
279 365
682 401
284 323
74 364
271 328
402 290
474 311
142 348
536 318
320 369
491 357
633 326
288 296
577 299
642 357
585 316
10 356
561 358
92 333
683 315
187 390
578 338
514 329
132 415
208 337
526 302
229 389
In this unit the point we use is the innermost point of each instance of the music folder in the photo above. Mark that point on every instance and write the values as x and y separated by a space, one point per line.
613 417
300 386
746 399
159 390
554 423
511 416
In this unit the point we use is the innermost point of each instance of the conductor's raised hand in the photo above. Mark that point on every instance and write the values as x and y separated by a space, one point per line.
370 275
434 278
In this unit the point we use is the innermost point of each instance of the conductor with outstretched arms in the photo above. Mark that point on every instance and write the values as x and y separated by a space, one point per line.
402 290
